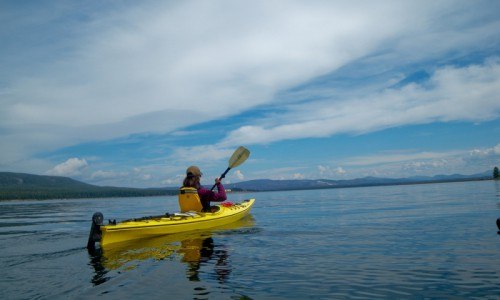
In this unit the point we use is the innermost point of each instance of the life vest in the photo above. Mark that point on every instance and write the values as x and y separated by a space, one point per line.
189 200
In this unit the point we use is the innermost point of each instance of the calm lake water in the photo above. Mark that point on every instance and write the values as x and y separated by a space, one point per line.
415 241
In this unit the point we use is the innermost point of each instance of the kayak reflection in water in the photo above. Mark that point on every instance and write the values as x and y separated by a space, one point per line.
198 252
205 196
100 271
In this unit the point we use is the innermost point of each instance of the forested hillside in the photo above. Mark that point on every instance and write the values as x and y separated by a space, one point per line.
29 186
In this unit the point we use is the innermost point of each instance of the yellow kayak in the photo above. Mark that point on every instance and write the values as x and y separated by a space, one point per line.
165 224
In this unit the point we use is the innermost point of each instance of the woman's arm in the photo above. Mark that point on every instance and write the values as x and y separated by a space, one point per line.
208 195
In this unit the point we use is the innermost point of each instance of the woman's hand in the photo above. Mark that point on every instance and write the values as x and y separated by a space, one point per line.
217 180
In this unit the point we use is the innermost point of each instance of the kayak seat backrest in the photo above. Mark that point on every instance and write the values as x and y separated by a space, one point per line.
189 200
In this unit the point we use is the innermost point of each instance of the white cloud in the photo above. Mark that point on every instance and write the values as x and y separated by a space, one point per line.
398 157
206 153
142 174
412 163
150 68
328 172
100 174
154 59
175 180
170 181
494 151
239 175
322 169
431 166
146 177
340 171
452 94
278 173
71 167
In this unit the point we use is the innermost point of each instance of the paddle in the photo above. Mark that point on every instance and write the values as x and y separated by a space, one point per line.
239 156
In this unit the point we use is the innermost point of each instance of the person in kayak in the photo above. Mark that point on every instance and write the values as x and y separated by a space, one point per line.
193 175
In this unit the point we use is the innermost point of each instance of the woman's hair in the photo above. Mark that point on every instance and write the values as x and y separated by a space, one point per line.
191 181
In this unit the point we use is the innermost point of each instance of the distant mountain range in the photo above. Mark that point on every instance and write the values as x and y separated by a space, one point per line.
276 185
29 186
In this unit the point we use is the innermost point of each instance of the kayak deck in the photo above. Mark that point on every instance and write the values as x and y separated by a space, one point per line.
167 224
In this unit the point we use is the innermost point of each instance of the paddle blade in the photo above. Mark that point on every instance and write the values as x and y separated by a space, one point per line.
239 156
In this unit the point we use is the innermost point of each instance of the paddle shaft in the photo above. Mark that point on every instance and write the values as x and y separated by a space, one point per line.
222 176
239 156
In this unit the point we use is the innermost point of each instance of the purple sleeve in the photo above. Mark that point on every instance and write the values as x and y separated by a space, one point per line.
208 195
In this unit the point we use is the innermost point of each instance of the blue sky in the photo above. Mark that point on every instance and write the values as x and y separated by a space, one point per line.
131 93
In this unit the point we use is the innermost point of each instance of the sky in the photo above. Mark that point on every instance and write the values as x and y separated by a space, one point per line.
131 93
